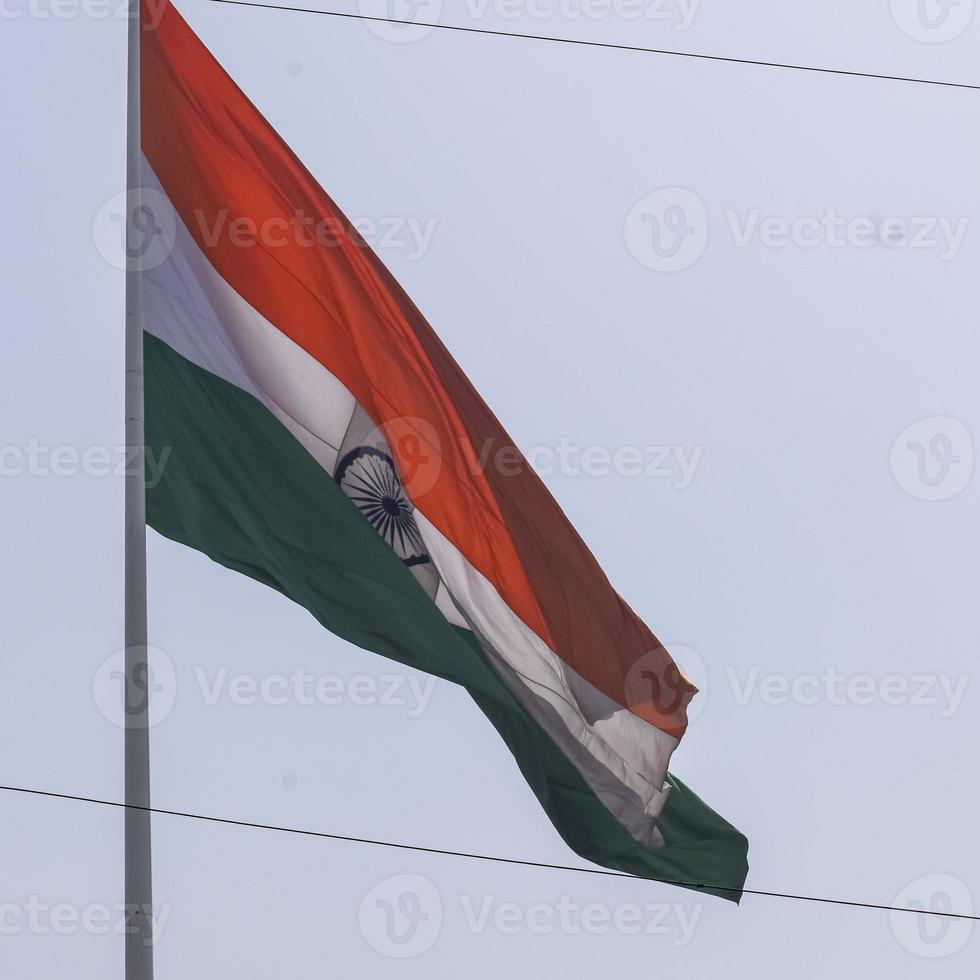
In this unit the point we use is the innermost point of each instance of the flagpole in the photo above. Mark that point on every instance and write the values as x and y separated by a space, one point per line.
138 873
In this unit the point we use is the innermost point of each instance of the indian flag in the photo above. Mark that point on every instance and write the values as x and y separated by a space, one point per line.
322 440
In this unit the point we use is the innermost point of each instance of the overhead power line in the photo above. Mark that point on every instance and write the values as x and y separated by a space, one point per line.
607 45
697 885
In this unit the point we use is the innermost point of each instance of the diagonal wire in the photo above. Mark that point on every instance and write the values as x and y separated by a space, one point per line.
697 885
607 45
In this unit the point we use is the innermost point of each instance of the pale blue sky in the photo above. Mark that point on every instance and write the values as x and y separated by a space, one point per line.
831 606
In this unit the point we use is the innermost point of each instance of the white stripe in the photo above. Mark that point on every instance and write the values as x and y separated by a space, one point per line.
636 752
188 306
445 605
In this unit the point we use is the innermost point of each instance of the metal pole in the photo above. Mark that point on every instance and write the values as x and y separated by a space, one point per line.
139 876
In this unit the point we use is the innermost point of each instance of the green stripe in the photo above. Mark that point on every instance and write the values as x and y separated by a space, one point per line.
239 487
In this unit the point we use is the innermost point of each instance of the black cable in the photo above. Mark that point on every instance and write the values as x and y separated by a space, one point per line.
600 44
479 857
